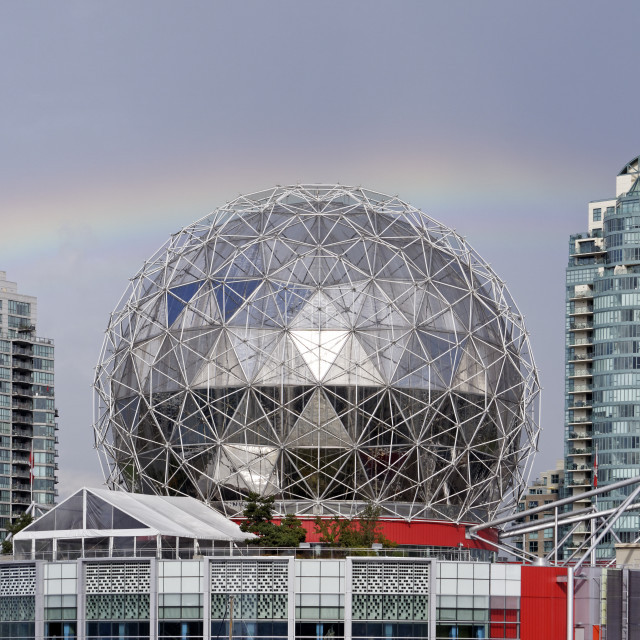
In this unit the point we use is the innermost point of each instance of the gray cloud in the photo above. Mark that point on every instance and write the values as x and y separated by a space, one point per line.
121 122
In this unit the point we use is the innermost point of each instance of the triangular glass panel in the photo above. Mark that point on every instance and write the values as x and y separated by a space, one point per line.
249 424
320 313
253 347
67 515
319 426
289 299
319 349
178 298
102 515
353 366
144 355
221 367
127 411
385 347
232 294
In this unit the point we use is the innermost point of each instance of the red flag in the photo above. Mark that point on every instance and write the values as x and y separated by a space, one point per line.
595 470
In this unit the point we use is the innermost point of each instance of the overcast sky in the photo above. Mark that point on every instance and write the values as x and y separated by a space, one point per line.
121 122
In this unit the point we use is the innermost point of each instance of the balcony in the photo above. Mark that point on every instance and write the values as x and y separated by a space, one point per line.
580 421
587 435
582 388
587 248
582 311
21 378
577 342
581 404
22 418
582 295
581 467
17 432
22 364
574 484
20 486
26 392
587 451
20 459
581 326
22 405
581 357
26 338
22 351
582 373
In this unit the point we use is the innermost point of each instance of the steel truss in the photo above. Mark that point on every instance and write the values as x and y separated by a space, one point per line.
324 345
602 522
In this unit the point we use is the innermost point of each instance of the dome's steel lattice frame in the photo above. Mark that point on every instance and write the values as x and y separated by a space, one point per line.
326 345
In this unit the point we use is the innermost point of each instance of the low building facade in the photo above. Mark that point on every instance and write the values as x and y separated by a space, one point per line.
292 596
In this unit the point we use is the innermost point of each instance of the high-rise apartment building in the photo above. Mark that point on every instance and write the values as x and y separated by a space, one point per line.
28 439
602 417
546 488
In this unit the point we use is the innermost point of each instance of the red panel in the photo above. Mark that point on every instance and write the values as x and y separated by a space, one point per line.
543 604
419 533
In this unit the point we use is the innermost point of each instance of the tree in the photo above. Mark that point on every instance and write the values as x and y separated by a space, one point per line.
361 532
19 524
258 512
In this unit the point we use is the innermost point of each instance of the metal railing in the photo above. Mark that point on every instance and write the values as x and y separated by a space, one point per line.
576 326
314 551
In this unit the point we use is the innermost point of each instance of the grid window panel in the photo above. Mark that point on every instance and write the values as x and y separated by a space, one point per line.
18 580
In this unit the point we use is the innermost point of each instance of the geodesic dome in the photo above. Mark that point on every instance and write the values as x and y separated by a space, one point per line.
325 345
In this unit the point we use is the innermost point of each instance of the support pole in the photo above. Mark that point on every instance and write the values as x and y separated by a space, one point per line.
570 589
555 537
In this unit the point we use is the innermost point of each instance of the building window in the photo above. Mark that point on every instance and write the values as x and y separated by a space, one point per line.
533 546
555 478
597 215
17 322
610 211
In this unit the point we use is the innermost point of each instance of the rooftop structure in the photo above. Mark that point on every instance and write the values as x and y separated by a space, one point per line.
104 523
325 345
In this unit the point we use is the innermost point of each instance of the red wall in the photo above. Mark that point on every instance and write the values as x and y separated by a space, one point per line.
419 533
543 604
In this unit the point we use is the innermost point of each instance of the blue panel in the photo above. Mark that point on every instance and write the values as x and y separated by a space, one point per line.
177 299
231 295
291 299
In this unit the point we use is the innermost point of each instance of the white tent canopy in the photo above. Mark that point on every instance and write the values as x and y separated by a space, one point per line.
91 514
